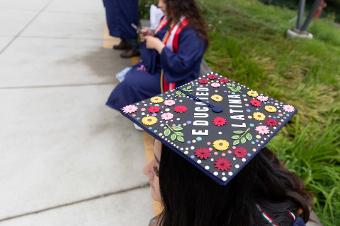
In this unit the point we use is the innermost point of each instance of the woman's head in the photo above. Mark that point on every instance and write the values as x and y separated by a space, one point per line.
175 9
191 198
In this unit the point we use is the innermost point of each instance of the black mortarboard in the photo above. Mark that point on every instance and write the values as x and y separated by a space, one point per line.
218 125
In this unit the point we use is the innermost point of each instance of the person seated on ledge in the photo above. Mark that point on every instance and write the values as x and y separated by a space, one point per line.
171 57
211 166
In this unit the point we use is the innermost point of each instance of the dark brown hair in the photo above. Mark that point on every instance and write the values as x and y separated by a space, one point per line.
190 198
188 8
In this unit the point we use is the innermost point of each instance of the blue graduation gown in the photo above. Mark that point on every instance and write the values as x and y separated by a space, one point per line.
120 14
181 67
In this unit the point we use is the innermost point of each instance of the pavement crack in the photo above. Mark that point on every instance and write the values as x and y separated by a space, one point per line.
92 198
56 86
25 27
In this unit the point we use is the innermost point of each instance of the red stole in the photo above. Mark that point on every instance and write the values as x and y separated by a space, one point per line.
171 41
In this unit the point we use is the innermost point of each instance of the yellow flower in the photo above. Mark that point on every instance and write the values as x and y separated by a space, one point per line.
270 108
217 98
221 145
149 120
156 100
252 93
259 116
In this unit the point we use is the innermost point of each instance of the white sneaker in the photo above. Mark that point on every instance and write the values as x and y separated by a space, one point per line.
137 127
297 34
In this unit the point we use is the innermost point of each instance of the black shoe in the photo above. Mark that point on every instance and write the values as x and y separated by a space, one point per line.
122 46
130 53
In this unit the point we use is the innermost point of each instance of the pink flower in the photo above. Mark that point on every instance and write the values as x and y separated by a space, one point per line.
223 164
255 103
215 84
262 98
153 109
130 109
240 152
169 102
203 81
288 108
262 130
181 109
202 153
167 116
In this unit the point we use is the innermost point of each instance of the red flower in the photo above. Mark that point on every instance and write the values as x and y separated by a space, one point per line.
224 80
181 109
203 81
240 152
219 121
212 76
153 109
223 164
271 122
255 103
202 153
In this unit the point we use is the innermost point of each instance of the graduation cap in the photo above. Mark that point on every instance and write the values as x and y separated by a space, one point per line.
216 124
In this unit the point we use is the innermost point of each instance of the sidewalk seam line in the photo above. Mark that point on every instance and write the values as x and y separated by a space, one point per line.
25 27
105 195
56 86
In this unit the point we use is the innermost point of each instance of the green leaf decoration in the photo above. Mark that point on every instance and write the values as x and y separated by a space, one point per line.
173 137
236 142
235 137
249 136
177 128
238 132
180 134
180 139
167 132
243 140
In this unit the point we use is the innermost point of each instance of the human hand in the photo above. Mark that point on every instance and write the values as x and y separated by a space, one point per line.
145 32
154 43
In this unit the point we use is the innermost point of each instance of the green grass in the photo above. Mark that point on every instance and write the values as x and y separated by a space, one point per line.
247 44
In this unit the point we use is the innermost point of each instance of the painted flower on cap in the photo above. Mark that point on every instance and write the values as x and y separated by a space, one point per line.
130 109
219 121
156 100
212 76
259 116
288 108
202 153
224 80
216 98
252 93
181 109
149 120
255 103
271 122
203 81
262 130
221 145
167 116
215 84
262 98
169 102
240 152
153 109
223 164
270 108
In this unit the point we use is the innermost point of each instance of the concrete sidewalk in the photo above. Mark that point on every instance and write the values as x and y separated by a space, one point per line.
65 158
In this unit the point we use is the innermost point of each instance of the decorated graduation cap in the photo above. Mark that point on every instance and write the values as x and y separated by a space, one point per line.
216 124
